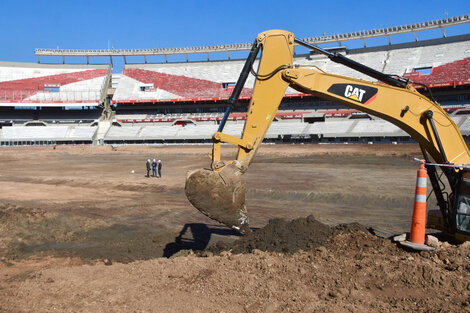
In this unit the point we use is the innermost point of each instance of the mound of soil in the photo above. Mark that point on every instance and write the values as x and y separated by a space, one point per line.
284 236
356 272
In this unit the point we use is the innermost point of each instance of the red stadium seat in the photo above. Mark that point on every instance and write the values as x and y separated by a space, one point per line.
186 87
451 74
20 89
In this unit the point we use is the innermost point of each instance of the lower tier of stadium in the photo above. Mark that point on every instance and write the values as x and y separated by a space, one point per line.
330 130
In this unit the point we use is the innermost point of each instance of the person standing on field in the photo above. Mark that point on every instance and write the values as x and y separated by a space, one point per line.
154 168
149 166
159 168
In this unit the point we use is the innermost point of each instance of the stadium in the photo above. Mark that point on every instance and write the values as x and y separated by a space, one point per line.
330 195
183 102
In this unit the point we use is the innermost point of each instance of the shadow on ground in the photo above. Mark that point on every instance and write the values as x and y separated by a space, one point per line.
196 237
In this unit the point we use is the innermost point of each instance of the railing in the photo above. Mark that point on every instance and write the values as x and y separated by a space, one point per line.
33 96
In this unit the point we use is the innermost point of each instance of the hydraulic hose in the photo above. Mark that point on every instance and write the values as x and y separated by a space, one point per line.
232 101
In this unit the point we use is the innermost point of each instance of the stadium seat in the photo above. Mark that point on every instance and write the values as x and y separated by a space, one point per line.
46 85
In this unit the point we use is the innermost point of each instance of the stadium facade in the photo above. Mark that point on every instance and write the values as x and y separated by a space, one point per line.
183 102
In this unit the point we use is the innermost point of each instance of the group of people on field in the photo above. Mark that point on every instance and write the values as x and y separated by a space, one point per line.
156 167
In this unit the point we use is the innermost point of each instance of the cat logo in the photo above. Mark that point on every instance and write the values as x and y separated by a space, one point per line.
357 93
354 93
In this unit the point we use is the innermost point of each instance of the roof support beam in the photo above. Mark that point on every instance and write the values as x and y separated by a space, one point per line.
443 32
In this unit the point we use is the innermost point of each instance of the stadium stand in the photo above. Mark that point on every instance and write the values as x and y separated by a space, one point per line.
330 130
464 125
36 99
183 102
52 85
47 134
163 82
450 74
198 81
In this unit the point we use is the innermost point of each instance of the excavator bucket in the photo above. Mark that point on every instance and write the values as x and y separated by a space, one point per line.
220 196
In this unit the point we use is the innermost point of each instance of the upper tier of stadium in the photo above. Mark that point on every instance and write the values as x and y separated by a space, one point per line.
447 60
438 62
28 84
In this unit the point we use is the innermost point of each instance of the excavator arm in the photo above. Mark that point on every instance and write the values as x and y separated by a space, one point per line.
423 119
220 193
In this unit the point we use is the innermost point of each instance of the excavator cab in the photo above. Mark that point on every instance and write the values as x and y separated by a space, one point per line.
462 207
454 216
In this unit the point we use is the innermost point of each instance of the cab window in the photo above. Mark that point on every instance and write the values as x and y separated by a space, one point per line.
463 206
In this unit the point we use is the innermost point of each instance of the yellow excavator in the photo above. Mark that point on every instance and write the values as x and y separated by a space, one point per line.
219 192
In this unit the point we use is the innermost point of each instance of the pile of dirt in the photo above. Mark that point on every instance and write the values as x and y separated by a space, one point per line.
355 272
284 236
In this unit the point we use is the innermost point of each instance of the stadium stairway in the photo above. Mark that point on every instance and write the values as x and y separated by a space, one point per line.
103 127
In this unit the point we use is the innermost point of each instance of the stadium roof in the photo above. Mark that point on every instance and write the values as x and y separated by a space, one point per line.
339 38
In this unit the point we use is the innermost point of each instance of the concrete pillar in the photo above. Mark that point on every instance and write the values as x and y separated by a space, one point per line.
443 32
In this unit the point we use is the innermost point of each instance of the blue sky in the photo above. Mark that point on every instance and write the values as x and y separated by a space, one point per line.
26 25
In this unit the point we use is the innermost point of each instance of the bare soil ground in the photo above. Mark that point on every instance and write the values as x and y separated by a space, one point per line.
80 232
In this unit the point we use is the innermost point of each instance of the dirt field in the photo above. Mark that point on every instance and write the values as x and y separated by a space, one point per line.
80 232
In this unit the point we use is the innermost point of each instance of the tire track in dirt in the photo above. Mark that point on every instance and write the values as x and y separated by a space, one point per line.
345 198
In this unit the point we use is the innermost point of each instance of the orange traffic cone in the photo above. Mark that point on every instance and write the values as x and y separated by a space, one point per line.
418 221
416 239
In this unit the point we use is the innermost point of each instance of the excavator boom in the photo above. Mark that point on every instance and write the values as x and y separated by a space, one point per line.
219 191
